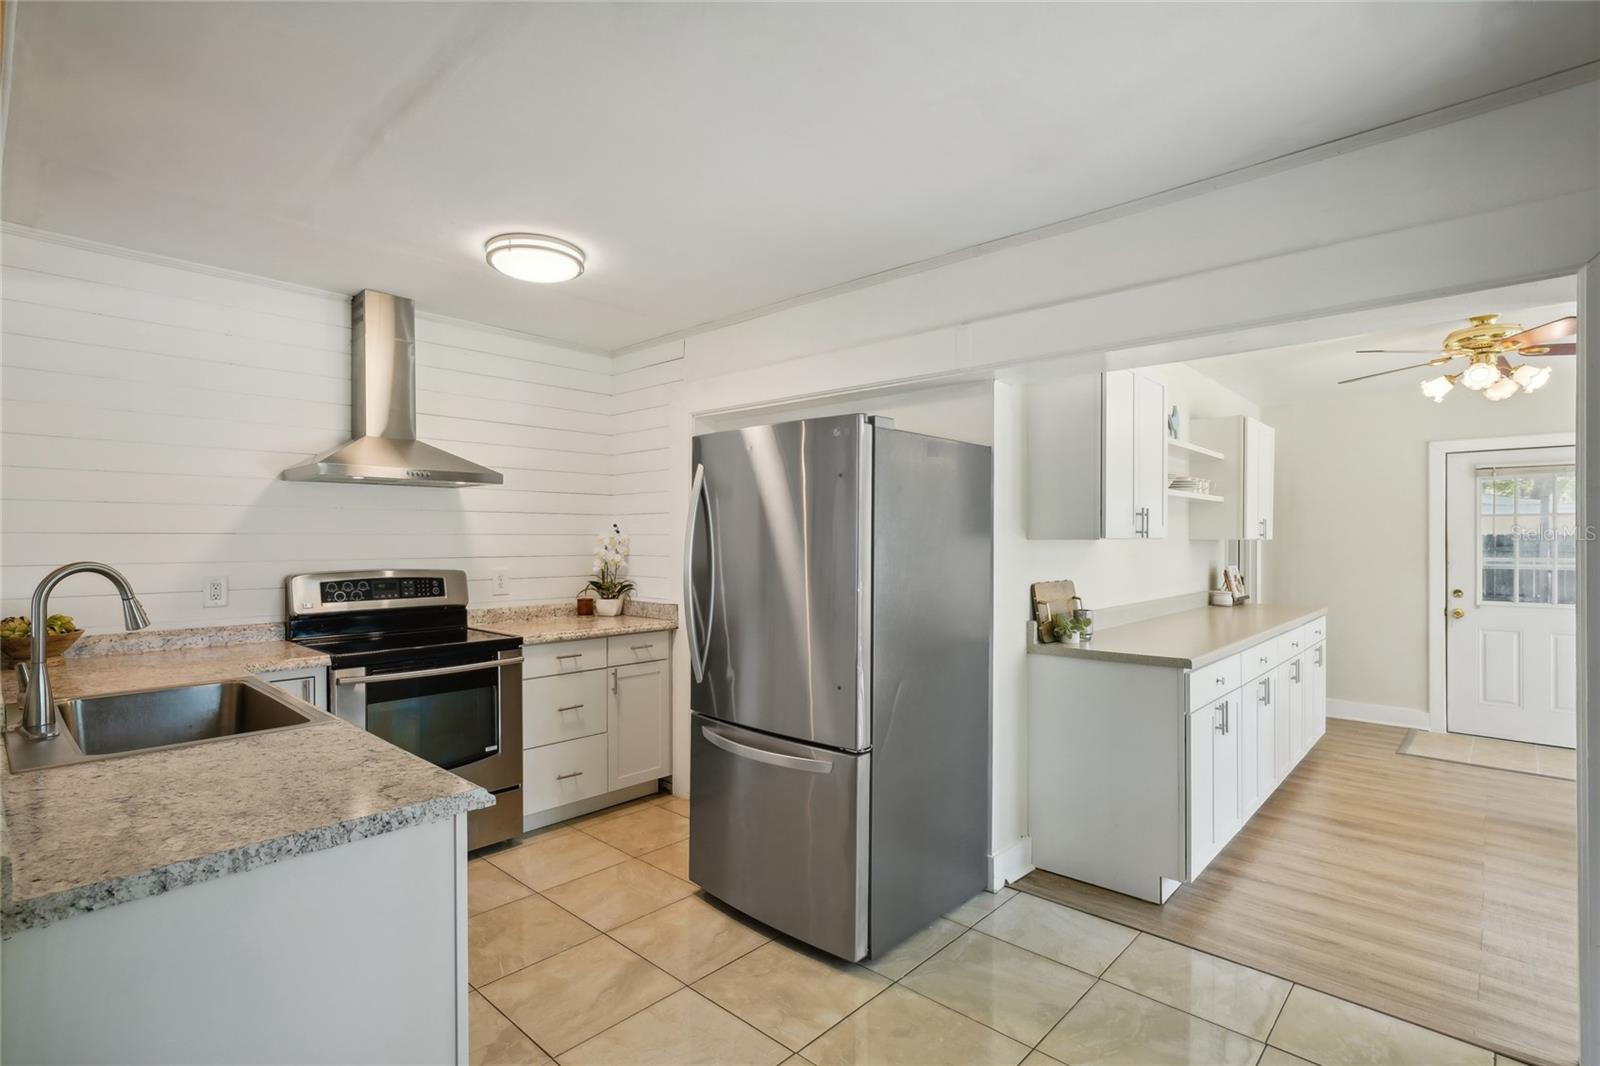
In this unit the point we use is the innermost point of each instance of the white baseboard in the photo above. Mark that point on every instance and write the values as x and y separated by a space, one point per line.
1379 713
1010 863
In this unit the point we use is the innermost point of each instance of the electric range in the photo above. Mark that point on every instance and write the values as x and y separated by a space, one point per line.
408 668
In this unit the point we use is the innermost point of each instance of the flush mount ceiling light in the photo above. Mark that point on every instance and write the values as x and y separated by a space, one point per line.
534 257
1486 343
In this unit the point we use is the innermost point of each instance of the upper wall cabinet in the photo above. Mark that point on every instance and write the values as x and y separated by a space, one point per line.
1097 457
1243 477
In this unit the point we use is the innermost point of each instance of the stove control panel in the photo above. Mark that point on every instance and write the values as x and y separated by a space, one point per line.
375 590
382 588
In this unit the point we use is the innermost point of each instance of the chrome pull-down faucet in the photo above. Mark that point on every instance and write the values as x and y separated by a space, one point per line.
38 709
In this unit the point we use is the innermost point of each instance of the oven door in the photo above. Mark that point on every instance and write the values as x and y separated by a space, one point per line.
462 717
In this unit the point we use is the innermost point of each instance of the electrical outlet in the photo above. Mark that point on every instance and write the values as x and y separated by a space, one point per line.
502 583
215 593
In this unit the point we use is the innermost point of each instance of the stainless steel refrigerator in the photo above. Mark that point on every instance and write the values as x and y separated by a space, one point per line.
838 611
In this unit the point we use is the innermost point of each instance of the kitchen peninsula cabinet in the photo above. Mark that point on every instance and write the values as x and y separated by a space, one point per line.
1154 743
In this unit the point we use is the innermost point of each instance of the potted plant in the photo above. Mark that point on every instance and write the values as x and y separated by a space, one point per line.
1068 629
610 561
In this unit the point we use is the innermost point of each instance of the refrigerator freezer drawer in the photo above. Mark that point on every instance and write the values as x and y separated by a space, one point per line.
778 830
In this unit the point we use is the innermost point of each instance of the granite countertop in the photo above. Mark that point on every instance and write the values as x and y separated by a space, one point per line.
94 674
574 627
543 624
92 835
1187 639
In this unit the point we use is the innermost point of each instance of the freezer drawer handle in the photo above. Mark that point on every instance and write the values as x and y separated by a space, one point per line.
771 758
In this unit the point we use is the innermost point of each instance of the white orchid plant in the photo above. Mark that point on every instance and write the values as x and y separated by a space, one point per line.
610 562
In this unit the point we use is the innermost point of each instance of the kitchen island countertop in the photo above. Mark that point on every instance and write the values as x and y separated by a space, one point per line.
97 834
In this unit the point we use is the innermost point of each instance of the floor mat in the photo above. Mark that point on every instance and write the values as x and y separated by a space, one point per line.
1494 754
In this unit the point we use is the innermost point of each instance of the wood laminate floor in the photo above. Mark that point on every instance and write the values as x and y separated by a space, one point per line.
1441 893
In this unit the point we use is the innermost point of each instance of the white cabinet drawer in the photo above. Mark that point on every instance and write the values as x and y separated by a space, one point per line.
1213 682
1316 630
563 707
1259 659
1292 643
558 774
638 648
563 657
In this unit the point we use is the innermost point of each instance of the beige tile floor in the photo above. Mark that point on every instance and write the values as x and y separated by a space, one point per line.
588 945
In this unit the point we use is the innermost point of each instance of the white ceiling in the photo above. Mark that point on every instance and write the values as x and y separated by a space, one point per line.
712 158
1297 372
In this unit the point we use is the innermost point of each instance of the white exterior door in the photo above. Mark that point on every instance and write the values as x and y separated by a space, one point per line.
1511 650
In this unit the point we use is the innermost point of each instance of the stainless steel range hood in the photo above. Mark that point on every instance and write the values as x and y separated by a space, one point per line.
384 449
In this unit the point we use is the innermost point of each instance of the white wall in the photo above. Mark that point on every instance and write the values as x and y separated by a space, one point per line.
1352 523
1107 573
1396 217
149 406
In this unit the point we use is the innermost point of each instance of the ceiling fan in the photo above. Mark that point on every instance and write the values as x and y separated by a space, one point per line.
1485 342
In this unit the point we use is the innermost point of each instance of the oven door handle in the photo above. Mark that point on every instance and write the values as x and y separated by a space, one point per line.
407 675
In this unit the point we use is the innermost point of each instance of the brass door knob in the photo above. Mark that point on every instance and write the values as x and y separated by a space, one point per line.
1456 594
1458 613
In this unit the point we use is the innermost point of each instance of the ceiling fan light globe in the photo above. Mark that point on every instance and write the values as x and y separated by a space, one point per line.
1480 376
1531 378
1437 388
1501 389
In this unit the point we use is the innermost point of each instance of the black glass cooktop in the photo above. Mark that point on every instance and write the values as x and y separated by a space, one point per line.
388 637
429 641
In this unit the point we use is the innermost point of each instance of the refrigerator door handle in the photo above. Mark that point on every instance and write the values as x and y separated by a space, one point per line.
699 644
771 758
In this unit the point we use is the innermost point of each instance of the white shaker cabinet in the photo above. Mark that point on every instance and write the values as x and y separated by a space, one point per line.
638 716
1170 759
1244 478
1097 457
596 723
1214 734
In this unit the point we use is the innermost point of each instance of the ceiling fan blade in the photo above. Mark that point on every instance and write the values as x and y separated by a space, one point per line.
1541 336
1550 349
1397 351
1396 370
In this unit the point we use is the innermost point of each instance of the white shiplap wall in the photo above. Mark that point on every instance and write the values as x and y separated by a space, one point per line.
649 462
148 408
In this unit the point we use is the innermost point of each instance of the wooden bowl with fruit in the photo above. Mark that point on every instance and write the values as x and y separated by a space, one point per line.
16 637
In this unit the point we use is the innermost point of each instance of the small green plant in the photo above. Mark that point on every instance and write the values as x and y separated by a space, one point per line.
610 560
1064 626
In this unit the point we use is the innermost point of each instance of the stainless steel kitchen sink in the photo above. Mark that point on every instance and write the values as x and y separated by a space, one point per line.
128 723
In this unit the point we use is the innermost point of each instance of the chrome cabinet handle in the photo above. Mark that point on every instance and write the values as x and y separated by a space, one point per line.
408 675
1222 681
564 777
1223 707
1266 691
1319 656
643 647
570 655
570 707
1295 677
613 681
771 758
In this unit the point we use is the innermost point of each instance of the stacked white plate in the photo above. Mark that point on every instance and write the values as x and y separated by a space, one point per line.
1202 485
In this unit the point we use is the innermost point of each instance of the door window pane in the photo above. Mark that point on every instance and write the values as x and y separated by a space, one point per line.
1527 535
1499 584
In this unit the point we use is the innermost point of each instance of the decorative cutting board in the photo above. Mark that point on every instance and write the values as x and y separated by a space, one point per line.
1049 599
